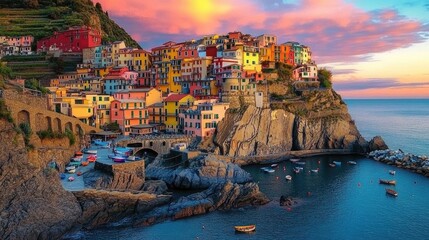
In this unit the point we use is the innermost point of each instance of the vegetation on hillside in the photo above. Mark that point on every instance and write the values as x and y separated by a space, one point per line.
41 18
35 85
325 77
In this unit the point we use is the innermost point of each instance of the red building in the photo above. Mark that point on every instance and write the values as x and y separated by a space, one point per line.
72 40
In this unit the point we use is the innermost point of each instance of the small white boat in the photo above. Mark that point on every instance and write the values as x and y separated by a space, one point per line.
71 179
70 167
294 159
332 165
76 159
315 170
299 168
274 165
352 162
91 151
392 172
300 163
288 177
71 170
269 170
337 163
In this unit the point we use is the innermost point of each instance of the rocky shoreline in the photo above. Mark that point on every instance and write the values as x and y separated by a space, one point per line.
415 163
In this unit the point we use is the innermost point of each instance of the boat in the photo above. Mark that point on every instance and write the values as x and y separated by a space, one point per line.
337 163
100 143
352 162
71 179
90 151
91 158
388 182
78 154
79 173
76 159
84 163
288 177
118 159
332 165
300 163
74 164
269 170
315 170
392 172
71 170
274 165
391 192
62 176
296 170
245 229
294 159
70 167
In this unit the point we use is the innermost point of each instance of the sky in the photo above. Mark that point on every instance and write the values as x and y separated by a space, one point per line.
375 49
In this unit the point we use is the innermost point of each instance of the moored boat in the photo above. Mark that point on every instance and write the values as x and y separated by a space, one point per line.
85 163
315 170
294 159
352 162
391 192
296 170
332 165
71 170
269 170
119 159
245 229
88 151
388 182
392 172
76 159
288 177
78 154
337 163
91 158
274 165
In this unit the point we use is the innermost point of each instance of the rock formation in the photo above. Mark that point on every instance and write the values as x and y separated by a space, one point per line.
201 173
287 201
319 121
221 196
377 143
33 204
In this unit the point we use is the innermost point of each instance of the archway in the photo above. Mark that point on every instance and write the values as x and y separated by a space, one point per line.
23 117
48 123
56 126
79 130
135 145
147 154
68 126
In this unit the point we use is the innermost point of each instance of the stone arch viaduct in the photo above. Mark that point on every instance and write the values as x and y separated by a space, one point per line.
161 144
33 110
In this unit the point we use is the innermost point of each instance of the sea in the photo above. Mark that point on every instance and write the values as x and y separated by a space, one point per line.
344 202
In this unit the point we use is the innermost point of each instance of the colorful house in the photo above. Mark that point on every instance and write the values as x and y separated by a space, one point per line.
149 95
78 107
172 104
156 113
128 112
201 119
141 60
101 106
306 72
75 39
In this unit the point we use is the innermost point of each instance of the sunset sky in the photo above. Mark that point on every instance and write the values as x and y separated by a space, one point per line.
376 49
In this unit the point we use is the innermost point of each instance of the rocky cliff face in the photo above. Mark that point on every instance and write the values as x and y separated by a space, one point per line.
33 205
201 173
320 120
221 196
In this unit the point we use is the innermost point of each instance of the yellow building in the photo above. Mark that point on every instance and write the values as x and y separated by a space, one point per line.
78 107
172 104
101 104
164 57
266 54
251 59
115 47
141 60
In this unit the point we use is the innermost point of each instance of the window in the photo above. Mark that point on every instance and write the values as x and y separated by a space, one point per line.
94 99
116 113
216 116
89 110
100 98
107 112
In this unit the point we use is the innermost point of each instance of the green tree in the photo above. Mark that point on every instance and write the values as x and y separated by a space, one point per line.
325 77
284 71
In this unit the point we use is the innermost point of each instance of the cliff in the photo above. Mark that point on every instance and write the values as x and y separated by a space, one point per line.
33 204
318 120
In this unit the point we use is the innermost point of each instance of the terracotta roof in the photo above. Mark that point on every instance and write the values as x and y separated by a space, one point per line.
175 97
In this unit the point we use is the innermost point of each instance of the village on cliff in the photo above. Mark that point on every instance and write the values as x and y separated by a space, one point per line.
176 87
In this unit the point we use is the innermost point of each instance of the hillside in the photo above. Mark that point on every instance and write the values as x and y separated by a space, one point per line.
41 18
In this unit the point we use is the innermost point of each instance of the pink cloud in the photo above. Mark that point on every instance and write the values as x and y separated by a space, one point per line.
334 29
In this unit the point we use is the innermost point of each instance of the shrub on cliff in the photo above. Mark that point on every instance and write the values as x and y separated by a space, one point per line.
325 77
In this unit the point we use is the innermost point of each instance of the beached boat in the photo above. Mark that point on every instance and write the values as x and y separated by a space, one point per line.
332 165
245 229
288 177
274 165
392 172
337 163
119 159
71 179
388 182
294 159
88 151
391 192
78 154
71 170
84 163
315 170
352 162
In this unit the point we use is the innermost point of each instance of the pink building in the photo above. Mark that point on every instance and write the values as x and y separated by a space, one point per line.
16 45
202 119
128 112
306 72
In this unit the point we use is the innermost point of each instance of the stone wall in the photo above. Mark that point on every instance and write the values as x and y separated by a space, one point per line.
125 176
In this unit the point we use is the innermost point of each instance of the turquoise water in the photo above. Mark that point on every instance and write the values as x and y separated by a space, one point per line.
344 202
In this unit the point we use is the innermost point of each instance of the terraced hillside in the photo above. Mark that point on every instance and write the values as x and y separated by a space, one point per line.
41 18
31 66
